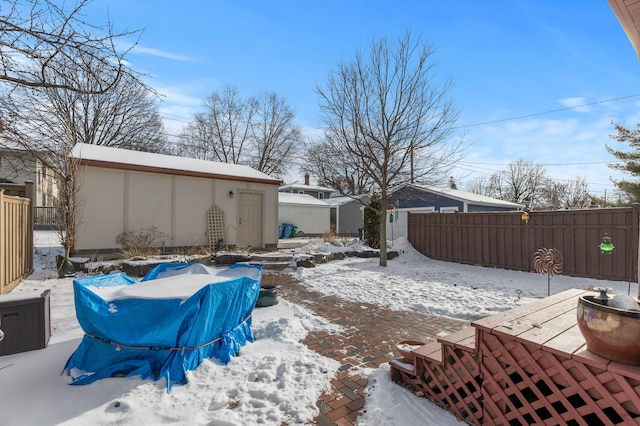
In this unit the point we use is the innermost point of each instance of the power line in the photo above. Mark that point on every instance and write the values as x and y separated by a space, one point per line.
180 119
488 172
547 112
470 163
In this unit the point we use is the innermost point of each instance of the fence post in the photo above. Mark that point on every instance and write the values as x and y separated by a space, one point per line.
30 193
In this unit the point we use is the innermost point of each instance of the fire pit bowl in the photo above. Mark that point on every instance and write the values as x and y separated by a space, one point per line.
609 331
406 346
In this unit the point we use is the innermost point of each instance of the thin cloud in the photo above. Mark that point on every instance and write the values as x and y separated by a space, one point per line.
162 54
577 104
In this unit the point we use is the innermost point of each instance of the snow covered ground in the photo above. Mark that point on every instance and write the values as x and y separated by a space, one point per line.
276 379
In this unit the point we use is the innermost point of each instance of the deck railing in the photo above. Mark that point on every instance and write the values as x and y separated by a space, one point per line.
47 217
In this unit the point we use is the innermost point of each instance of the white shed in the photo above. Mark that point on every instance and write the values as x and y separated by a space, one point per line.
310 215
192 201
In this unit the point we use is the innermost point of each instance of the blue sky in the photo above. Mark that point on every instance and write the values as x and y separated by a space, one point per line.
507 58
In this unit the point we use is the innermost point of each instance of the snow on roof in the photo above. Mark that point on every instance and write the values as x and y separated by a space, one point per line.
289 198
339 201
468 196
139 159
303 187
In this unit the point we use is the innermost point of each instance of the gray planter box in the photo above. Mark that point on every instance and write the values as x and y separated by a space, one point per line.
25 319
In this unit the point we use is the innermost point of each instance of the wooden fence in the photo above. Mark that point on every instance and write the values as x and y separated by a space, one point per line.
16 240
506 240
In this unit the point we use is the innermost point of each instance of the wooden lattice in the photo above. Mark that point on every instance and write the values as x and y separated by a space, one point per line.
517 373
216 228
454 384
526 385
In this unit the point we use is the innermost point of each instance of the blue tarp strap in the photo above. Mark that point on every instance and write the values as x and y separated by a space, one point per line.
152 348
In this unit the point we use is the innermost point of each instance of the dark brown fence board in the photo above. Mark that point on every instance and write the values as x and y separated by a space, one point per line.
504 240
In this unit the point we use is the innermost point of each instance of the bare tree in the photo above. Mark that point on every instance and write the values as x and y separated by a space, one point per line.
258 131
552 195
577 193
525 182
386 111
222 131
50 121
570 194
274 135
521 181
488 186
336 168
38 35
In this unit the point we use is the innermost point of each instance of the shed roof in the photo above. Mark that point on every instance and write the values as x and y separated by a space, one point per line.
288 198
339 201
118 158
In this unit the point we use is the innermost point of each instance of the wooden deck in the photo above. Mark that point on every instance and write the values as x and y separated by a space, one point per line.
528 365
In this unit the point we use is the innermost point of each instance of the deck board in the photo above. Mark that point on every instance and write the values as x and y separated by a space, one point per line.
455 338
568 343
544 319
431 351
497 320
468 344
521 319
554 328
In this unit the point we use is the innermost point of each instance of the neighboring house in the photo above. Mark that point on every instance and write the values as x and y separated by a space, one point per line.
308 214
414 198
319 192
121 190
19 166
347 214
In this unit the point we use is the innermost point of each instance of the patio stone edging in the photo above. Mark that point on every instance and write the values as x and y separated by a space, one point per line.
271 261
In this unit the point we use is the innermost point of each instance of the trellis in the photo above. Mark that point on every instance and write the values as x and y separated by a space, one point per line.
216 228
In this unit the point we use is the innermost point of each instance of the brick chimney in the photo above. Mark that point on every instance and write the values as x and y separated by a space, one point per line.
306 179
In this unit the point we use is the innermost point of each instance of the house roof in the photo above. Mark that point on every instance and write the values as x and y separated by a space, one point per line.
118 158
303 187
288 198
628 14
464 196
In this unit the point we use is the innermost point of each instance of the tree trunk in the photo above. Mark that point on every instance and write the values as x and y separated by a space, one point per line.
383 230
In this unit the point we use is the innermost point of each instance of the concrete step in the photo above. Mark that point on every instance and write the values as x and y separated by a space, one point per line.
272 257
271 266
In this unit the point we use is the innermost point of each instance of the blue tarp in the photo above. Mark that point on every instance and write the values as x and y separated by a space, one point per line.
128 333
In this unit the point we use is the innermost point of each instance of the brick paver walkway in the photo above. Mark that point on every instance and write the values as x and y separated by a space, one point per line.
369 333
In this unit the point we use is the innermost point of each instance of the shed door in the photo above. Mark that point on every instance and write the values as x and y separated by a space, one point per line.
250 220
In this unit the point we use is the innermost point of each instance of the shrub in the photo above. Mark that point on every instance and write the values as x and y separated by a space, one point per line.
371 223
140 243
331 238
